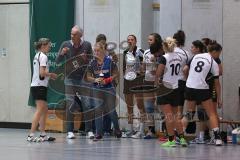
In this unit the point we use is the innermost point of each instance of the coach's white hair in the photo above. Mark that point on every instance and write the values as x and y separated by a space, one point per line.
76 27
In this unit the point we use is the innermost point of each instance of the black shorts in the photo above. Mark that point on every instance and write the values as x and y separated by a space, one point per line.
181 87
198 95
127 85
172 98
39 93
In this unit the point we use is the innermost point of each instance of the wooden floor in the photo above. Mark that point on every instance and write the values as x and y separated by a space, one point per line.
13 145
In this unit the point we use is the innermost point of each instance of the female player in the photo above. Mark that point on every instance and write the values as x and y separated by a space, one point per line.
169 67
39 85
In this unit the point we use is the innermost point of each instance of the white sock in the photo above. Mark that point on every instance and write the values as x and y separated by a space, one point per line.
201 135
43 134
130 127
141 129
31 134
215 129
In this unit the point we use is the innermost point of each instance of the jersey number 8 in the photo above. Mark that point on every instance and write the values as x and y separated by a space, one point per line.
199 66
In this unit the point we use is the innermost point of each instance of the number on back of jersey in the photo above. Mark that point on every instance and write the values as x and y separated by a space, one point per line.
199 66
175 69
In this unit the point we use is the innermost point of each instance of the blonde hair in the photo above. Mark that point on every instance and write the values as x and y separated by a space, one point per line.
100 45
169 44
41 42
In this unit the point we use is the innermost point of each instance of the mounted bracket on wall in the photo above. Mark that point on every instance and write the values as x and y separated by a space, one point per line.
3 52
156 6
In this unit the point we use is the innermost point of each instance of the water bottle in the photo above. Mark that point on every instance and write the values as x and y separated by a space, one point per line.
229 134
235 135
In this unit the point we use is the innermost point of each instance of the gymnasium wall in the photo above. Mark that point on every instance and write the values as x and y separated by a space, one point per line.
14 61
217 19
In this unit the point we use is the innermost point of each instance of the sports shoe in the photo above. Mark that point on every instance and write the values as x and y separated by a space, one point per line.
149 135
70 135
118 133
177 140
197 141
90 135
218 142
127 134
163 139
137 135
169 144
98 138
43 138
183 142
30 138
107 134
211 141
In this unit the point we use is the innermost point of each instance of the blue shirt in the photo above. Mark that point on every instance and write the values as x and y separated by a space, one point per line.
104 70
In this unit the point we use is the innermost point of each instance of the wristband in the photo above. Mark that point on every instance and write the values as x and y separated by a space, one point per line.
108 80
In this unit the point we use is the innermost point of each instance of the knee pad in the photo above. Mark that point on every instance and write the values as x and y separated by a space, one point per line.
202 115
189 115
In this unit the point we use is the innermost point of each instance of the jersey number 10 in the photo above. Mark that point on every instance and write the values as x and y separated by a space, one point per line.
175 69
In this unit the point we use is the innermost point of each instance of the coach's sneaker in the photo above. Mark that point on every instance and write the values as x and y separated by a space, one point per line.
183 142
90 135
169 144
70 135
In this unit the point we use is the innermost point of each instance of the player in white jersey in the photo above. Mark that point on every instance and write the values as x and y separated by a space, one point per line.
39 85
132 64
169 67
190 127
186 56
150 61
197 89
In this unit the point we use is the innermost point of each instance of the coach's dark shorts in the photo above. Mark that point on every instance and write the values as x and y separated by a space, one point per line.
198 95
172 98
39 93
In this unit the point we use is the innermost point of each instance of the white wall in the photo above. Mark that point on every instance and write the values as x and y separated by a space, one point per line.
111 17
147 17
14 67
202 19
231 58
101 16
170 17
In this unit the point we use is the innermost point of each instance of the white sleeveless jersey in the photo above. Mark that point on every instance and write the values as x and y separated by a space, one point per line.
200 66
40 59
172 70
186 57
150 65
